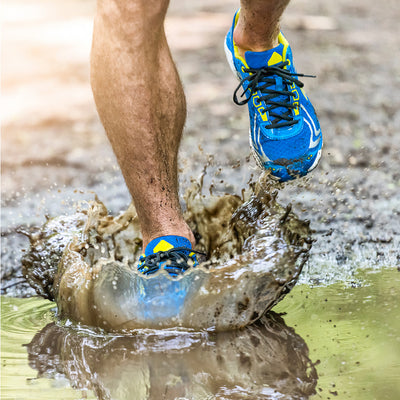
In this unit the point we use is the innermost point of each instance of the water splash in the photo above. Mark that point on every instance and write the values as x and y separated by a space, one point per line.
255 252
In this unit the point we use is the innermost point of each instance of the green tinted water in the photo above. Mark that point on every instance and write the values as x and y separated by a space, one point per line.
21 319
352 333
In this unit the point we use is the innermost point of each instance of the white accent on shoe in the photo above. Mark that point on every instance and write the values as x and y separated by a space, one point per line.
315 137
229 57
254 153
316 161
315 143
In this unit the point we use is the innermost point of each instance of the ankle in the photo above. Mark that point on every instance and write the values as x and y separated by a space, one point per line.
249 39
184 231
247 43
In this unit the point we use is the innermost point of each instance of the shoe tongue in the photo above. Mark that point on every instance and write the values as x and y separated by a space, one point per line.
164 243
259 59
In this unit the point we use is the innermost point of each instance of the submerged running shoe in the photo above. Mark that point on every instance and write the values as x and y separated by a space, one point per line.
285 135
173 253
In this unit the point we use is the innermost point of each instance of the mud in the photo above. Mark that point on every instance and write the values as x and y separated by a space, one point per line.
254 253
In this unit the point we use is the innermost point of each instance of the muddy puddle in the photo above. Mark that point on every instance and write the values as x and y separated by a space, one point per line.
328 337
336 341
254 250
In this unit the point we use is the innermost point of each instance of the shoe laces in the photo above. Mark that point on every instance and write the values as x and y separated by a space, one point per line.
262 80
175 259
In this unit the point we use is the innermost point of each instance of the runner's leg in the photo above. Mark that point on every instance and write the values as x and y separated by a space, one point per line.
258 25
141 104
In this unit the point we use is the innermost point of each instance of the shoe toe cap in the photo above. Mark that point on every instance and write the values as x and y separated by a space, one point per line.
292 157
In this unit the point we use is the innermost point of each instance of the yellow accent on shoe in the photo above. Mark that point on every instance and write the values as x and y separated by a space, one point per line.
276 58
282 40
162 246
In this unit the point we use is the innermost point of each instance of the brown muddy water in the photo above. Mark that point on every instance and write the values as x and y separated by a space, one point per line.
254 248
336 339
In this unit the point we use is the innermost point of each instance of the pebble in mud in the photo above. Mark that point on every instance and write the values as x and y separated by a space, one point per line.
255 252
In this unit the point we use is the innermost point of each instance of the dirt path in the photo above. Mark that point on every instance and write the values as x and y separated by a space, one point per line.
54 151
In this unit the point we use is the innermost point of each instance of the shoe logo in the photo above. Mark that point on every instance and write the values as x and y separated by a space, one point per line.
315 139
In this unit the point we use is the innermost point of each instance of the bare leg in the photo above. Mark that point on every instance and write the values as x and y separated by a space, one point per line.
258 25
142 106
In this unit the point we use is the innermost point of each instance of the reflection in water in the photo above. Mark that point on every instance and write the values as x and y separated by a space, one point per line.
353 330
87 263
267 360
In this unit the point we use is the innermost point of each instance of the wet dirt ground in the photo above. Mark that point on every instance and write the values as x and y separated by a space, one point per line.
55 152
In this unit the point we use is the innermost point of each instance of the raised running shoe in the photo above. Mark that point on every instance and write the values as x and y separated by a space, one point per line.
285 135
173 253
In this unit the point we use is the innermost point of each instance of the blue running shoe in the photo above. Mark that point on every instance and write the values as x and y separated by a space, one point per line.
173 253
285 135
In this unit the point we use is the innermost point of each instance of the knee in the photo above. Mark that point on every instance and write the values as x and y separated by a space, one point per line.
133 13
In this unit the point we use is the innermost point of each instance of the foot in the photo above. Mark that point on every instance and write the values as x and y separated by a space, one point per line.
285 135
173 253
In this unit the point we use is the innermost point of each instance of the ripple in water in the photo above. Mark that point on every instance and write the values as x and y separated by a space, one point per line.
255 252
21 317
264 361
